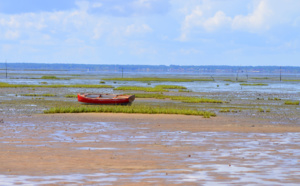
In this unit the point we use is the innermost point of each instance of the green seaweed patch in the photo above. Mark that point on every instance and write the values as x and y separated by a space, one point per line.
291 102
145 89
145 79
54 78
39 95
275 99
129 109
260 78
229 110
70 96
254 84
225 110
158 88
6 85
195 99
49 77
156 96
183 99
291 80
170 87
264 110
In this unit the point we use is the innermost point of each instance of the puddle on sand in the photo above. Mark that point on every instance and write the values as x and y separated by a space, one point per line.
75 179
94 148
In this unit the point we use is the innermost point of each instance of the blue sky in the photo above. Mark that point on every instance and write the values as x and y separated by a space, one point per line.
155 32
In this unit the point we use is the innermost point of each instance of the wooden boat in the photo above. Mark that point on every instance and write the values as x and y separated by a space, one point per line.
105 99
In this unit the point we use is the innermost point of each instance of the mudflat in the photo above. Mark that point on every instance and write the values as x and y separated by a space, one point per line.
254 139
143 149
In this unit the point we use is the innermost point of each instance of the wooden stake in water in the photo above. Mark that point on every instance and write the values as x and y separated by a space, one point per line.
280 73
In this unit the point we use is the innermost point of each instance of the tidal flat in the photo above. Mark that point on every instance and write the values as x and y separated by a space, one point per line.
253 140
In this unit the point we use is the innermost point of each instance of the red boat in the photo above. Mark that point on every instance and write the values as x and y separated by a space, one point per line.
106 99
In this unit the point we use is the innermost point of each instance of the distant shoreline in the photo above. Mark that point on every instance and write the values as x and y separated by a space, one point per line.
150 68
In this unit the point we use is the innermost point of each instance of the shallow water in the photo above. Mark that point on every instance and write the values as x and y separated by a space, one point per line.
274 86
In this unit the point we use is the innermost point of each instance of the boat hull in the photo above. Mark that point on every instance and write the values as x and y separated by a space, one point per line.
106 99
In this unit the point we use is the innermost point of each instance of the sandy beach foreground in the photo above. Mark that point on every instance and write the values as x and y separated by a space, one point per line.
135 149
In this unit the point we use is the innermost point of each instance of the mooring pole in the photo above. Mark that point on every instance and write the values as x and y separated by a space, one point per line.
122 72
280 73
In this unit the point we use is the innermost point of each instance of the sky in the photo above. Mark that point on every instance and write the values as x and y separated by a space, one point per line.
151 32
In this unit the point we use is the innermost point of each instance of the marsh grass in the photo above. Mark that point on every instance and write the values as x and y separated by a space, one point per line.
260 78
145 89
254 84
264 110
170 87
229 110
183 99
291 80
225 110
53 78
157 88
129 109
230 80
6 85
70 96
195 99
156 96
291 102
275 99
49 77
148 79
39 95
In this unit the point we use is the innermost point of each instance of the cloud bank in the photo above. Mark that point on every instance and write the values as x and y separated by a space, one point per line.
151 31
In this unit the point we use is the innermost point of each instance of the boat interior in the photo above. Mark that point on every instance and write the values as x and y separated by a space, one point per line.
108 96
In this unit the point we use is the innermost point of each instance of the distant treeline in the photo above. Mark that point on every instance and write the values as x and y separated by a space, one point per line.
151 68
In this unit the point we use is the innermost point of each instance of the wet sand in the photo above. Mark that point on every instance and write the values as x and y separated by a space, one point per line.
138 149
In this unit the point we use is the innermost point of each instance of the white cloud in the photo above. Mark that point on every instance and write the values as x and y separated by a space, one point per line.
12 35
121 8
192 20
97 5
137 29
261 17
258 20
190 51
98 31
217 21
33 34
